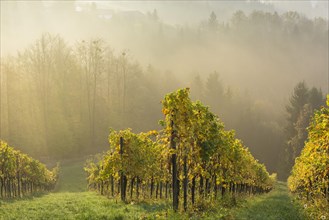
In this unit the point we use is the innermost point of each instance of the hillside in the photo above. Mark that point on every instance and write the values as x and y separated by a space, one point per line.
71 200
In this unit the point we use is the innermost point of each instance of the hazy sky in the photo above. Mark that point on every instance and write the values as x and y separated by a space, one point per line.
167 9
22 22
170 12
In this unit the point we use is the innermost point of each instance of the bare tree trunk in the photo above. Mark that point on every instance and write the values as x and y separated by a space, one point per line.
93 112
124 89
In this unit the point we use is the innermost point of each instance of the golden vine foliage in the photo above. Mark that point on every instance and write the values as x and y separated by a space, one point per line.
21 175
207 155
310 174
141 158
212 151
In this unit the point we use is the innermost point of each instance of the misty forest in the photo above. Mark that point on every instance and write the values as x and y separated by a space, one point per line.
164 110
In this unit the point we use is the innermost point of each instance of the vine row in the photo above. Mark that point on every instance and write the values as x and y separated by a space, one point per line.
21 175
193 158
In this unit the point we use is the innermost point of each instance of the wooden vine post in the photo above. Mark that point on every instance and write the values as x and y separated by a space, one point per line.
122 177
18 176
185 183
174 168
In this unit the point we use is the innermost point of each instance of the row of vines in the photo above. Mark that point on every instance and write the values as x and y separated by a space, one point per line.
192 159
21 175
310 174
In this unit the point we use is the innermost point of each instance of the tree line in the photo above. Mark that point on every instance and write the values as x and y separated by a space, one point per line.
303 102
66 98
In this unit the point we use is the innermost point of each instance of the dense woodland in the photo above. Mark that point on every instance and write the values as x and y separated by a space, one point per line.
59 97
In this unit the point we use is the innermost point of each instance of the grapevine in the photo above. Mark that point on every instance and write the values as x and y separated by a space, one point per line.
21 175
192 159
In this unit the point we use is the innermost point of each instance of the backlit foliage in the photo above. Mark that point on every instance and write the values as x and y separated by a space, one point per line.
22 175
209 159
310 174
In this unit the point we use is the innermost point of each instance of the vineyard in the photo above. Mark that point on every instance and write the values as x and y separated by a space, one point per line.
193 159
192 167
188 166
157 110
21 175
310 174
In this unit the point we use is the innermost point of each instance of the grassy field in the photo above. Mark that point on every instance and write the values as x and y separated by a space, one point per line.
71 201
75 205
272 206
72 177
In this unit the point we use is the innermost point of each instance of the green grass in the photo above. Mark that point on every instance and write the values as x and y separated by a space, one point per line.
275 205
76 205
71 200
72 177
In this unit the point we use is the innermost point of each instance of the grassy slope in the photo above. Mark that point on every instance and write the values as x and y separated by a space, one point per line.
71 201
78 205
72 177
272 206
